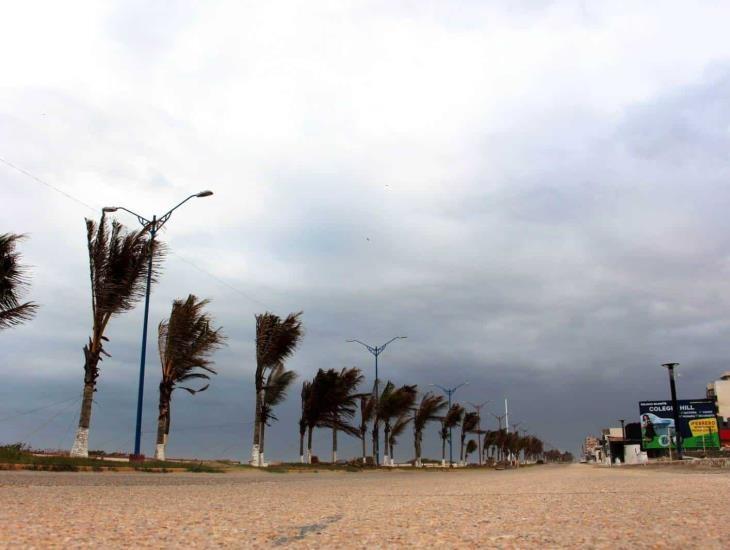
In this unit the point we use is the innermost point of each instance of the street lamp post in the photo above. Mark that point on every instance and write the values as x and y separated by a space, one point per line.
675 409
450 392
153 226
478 408
376 351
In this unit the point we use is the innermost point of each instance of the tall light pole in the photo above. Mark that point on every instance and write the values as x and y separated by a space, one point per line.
478 409
376 351
675 409
153 226
450 392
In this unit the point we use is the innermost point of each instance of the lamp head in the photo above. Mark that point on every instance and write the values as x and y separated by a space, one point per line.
110 209
670 365
206 193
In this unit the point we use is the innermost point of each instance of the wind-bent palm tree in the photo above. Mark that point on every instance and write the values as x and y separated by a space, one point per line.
276 340
452 418
344 405
277 384
399 426
186 341
468 424
393 403
471 446
428 410
118 269
13 280
330 403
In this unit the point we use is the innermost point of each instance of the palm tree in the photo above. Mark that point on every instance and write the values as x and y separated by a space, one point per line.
393 403
277 384
471 446
452 418
399 426
186 341
118 261
276 340
468 424
344 405
13 279
330 402
428 410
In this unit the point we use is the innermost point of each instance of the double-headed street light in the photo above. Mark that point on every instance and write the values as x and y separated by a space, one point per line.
450 392
153 226
376 351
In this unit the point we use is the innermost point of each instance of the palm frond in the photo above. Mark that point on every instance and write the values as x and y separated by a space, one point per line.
13 282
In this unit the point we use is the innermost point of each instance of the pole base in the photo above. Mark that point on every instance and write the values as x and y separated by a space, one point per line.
136 459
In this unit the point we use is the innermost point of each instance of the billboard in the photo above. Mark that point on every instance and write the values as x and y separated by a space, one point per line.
697 424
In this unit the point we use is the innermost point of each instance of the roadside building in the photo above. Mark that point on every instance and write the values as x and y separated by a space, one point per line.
719 391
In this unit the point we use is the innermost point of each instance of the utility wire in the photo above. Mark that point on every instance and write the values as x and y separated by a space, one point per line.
37 409
96 209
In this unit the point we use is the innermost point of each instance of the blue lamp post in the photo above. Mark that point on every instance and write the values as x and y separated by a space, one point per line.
376 351
153 226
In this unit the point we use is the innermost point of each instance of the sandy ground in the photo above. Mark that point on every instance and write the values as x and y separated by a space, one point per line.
538 507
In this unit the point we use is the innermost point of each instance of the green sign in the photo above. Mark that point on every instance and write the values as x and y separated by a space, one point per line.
697 424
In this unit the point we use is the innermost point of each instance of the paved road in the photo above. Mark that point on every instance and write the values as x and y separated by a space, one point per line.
546 506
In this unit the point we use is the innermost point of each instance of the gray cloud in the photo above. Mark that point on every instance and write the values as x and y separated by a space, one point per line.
529 195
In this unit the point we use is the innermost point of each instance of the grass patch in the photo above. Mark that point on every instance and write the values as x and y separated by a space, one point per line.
203 468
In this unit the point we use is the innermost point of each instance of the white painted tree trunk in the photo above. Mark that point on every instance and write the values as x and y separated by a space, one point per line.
81 443
443 462
301 459
334 457
386 460
255 458
308 457
160 451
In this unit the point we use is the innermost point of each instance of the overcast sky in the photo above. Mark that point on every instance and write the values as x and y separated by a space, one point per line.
535 194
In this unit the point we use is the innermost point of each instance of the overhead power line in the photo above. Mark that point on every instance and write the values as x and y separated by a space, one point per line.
97 208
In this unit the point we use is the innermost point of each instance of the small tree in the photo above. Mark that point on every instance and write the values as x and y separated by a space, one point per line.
393 403
186 341
399 426
428 410
13 281
276 340
277 384
468 424
471 446
452 418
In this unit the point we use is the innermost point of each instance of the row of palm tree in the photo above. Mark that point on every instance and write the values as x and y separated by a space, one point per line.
119 261
330 400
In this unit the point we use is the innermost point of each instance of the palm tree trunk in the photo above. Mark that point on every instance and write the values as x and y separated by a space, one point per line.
163 424
417 444
91 373
309 445
301 445
262 461
443 451
461 449
392 456
386 434
334 445
255 449
376 458
363 435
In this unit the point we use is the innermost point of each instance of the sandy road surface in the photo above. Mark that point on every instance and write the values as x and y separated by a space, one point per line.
546 507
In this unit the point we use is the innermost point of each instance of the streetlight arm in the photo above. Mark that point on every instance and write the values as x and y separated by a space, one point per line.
166 216
369 348
460 385
141 219
441 387
392 340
